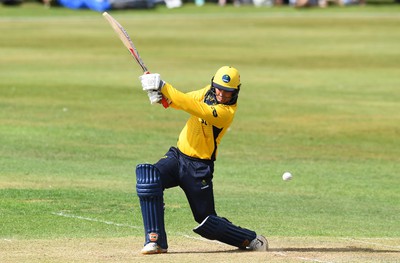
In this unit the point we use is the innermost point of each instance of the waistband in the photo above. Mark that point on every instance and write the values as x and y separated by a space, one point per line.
205 161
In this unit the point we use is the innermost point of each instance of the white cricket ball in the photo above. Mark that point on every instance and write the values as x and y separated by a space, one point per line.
287 176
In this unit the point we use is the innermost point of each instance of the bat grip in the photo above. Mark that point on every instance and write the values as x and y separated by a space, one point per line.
164 101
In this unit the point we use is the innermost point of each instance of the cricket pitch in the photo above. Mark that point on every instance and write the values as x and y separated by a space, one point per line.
193 249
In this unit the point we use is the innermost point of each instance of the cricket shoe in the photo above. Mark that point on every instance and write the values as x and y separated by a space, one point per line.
260 243
153 248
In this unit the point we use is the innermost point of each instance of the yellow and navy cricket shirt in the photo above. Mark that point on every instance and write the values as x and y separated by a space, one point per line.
207 124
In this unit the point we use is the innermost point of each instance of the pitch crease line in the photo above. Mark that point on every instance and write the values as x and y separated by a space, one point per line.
123 225
95 220
313 260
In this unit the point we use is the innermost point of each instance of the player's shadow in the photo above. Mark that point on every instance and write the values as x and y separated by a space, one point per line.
294 249
333 249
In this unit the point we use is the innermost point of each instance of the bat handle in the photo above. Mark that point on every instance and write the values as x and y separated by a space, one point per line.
164 101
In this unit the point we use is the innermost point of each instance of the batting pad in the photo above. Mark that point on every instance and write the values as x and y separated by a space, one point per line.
150 192
218 228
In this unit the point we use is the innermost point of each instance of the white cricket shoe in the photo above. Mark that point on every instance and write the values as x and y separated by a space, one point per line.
260 243
153 248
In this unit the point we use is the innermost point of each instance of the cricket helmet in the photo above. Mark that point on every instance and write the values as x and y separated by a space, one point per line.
227 78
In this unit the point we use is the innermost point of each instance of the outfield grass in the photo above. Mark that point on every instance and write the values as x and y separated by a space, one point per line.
320 98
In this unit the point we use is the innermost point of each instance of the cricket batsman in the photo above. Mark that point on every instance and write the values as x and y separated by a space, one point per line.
190 165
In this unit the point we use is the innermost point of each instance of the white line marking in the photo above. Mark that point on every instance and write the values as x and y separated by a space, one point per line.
313 260
123 225
283 254
95 220
201 239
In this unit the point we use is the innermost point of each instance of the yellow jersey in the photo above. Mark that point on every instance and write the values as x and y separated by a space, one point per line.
207 124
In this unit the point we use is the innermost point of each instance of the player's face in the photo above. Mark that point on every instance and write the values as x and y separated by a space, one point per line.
223 96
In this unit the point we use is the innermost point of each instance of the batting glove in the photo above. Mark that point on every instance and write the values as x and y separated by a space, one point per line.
151 82
154 96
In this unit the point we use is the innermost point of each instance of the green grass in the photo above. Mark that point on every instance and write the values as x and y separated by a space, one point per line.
320 98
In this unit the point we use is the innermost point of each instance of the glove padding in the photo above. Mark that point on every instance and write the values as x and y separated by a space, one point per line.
155 96
151 82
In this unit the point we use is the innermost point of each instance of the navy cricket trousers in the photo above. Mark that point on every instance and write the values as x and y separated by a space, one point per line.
194 176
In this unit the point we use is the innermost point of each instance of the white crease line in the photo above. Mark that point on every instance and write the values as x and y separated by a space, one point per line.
201 239
283 254
313 260
122 225
95 220
197 238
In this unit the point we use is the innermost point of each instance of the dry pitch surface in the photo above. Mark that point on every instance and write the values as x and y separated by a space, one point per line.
193 249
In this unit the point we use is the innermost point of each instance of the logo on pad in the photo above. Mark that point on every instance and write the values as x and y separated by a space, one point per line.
153 237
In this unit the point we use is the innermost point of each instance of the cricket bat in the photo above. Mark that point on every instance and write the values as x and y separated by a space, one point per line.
127 41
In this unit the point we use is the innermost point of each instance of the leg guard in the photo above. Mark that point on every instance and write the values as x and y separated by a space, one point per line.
218 228
150 192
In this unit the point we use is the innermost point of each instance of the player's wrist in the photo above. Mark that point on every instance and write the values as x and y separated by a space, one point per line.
161 84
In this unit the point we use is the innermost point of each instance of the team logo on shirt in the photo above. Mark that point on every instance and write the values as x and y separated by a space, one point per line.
215 114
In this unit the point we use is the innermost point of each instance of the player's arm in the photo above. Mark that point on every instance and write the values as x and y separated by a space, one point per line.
217 115
196 95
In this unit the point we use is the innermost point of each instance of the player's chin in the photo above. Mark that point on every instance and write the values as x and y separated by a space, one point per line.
220 100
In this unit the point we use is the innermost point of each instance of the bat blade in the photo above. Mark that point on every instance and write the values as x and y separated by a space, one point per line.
126 40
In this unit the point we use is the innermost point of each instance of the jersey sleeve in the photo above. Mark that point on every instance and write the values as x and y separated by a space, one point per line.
218 115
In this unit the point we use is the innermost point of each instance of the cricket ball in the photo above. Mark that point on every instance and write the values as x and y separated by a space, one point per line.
286 176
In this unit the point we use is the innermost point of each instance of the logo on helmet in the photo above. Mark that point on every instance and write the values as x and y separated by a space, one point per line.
226 78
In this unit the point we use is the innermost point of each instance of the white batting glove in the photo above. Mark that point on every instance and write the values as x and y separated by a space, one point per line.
154 96
151 81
